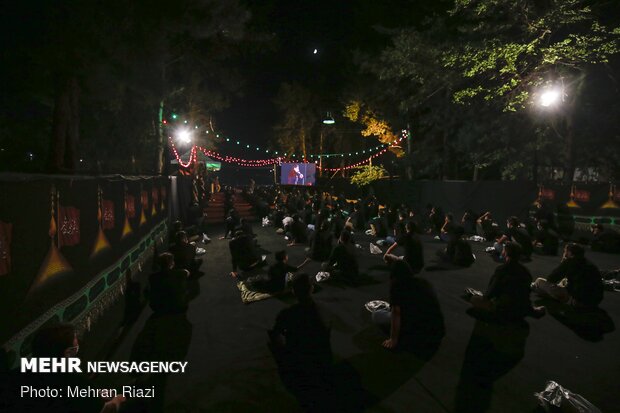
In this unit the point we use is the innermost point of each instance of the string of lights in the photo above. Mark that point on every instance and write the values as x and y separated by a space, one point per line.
270 161
176 118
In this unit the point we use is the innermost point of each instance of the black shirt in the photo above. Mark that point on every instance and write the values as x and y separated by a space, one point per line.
277 276
509 289
242 252
413 251
344 256
306 331
459 252
184 255
584 280
521 237
168 291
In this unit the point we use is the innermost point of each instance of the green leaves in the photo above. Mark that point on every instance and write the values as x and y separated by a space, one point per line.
367 175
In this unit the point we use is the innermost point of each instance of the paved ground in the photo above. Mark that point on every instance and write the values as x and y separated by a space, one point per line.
231 369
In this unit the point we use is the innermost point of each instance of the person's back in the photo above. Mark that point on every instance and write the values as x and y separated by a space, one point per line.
242 251
168 291
413 250
584 284
509 289
520 236
321 243
463 255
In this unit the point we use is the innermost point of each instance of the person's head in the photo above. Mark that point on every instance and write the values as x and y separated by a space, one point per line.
597 229
302 287
410 227
59 341
281 256
511 252
165 261
513 222
181 237
574 250
345 237
177 226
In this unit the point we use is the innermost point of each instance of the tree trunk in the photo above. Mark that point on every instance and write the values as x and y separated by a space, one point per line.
445 162
160 140
569 166
65 128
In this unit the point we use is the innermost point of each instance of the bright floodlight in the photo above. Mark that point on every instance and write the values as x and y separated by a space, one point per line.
184 136
315 51
550 97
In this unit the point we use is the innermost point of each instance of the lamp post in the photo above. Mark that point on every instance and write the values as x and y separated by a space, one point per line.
328 120
550 99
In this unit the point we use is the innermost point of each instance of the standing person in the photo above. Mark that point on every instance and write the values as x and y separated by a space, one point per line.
576 281
321 245
414 255
507 296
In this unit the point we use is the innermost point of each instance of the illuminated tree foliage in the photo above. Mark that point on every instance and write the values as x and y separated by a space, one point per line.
366 175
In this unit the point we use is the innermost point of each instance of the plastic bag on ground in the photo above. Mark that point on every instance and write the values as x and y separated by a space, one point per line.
322 276
476 238
376 305
555 395
374 249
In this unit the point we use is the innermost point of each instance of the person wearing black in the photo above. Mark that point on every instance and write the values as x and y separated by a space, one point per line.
185 254
231 222
167 291
275 281
468 221
546 240
576 281
321 245
57 341
300 343
337 222
515 234
243 253
297 233
604 240
246 228
485 227
414 310
414 254
458 251
508 294
342 261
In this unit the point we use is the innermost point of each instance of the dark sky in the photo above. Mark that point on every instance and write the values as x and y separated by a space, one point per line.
337 29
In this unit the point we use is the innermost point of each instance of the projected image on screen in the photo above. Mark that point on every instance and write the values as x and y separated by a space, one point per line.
298 174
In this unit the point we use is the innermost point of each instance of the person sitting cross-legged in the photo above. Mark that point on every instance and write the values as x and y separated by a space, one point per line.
185 253
300 344
275 280
576 281
508 294
342 262
516 235
243 253
458 251
168 293
413 248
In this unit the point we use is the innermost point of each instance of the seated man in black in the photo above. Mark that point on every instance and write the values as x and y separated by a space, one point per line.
297 232
605 240
246 228
508 294
231 222
167 291
576 281
185 254
275 281
321 245
243 253
517 235
414 254
300 343
342 261
546 240
485 227
414 316
458 251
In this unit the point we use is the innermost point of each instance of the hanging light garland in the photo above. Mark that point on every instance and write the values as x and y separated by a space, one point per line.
176 118
271 161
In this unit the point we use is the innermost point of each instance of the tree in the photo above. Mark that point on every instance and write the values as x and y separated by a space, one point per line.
367 174
512 50
299 119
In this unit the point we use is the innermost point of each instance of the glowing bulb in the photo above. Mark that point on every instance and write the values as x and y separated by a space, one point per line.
184 136
550 97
